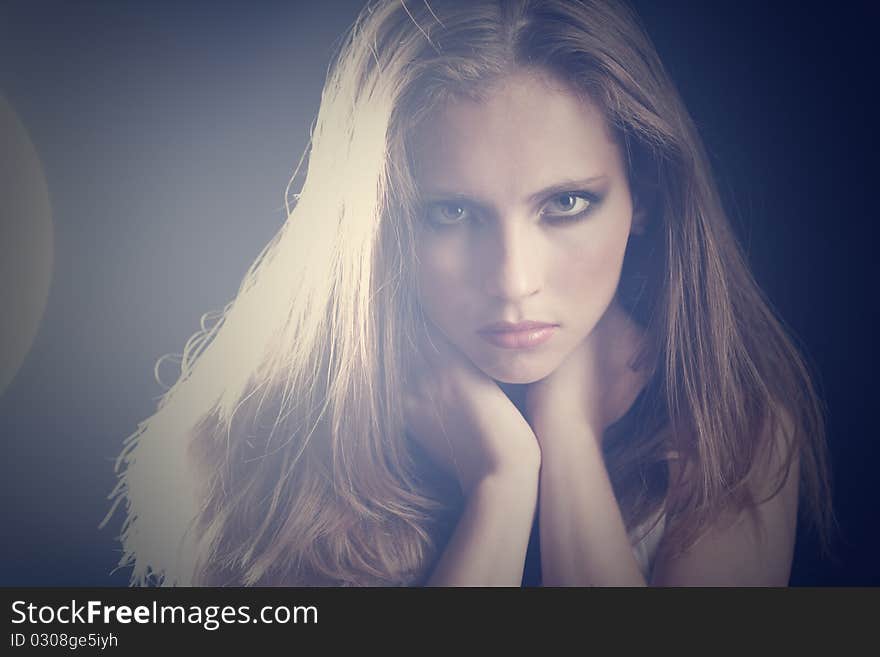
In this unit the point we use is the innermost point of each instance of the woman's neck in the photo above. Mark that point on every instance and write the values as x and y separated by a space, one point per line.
619 340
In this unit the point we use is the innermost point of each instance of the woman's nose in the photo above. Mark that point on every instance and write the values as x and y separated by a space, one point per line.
510 264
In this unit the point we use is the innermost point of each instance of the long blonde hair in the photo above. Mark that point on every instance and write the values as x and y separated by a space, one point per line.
280 454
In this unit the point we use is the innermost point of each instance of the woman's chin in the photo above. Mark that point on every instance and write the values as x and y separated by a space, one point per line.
514 366
517 375
517 380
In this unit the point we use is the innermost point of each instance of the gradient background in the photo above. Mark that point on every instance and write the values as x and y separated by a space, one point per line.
167 132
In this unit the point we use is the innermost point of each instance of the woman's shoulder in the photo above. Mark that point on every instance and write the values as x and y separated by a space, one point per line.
774 457
771 481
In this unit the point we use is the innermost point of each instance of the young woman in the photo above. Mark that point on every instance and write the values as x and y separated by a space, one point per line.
505 336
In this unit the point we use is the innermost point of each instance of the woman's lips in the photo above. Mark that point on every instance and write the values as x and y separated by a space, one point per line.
522 335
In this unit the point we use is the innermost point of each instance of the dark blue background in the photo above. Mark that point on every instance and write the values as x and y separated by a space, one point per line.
168 131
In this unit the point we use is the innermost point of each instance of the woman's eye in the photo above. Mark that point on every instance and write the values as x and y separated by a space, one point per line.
563 207
568 206
446 214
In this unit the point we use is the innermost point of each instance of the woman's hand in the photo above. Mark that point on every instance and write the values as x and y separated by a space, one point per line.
463 419
569 399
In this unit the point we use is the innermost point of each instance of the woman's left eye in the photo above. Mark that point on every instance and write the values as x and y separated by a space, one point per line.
571 205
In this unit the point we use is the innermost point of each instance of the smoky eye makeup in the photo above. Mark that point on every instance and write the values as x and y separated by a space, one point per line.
559 209
570 207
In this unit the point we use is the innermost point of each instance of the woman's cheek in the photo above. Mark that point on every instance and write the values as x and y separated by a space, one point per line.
440 279
592 266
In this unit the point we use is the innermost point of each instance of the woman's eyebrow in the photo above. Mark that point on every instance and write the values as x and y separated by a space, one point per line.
568 185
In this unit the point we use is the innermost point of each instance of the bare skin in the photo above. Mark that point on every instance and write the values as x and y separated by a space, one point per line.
464 420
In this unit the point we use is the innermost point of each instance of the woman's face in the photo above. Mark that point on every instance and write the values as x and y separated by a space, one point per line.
526 215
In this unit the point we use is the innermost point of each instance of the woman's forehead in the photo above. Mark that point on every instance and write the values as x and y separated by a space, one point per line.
524 130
